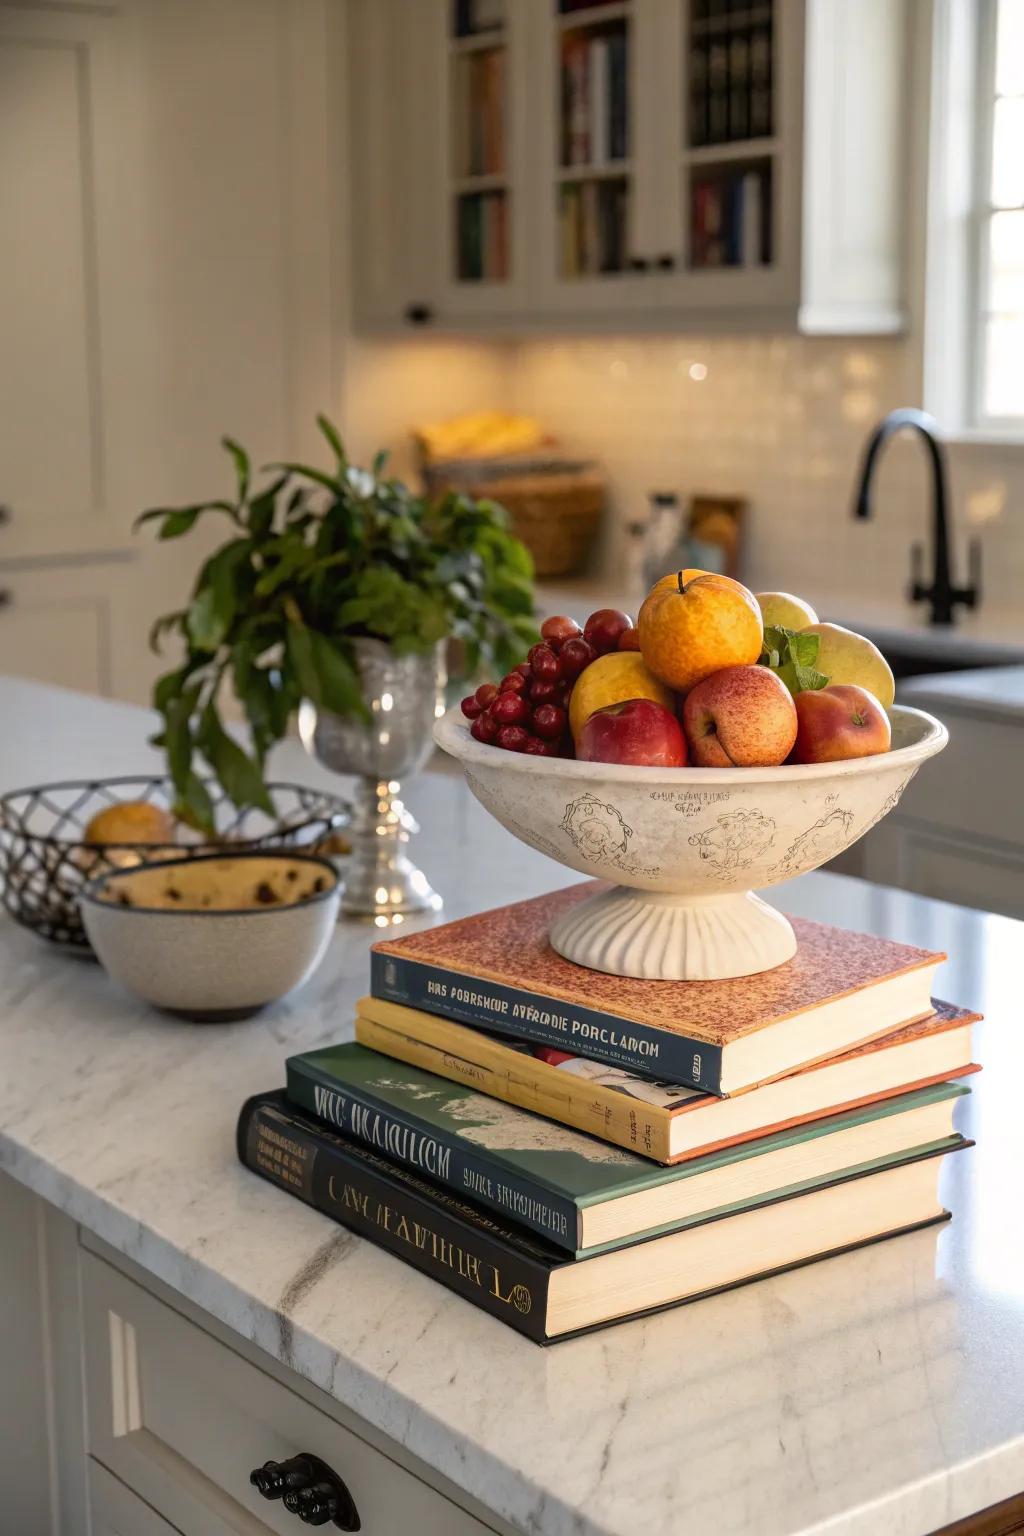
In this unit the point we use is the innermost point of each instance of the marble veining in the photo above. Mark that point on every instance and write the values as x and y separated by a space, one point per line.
880 1392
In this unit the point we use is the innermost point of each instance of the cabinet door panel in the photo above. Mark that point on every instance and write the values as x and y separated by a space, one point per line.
56 640
66 212
183 1420
947 868
115 1511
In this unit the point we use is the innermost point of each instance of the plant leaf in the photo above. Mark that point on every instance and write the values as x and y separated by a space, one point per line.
194 805
206 627
299 650
339 686
262 508
332 435
239 776
163 626
243 468
309 473
178 734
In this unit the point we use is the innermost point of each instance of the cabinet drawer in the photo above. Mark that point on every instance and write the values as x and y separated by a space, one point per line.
973 787
115 1511
182 1419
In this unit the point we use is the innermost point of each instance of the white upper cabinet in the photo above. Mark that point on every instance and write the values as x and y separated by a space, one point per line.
66 147
533 165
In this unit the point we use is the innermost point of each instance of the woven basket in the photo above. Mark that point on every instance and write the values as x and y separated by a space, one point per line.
555 515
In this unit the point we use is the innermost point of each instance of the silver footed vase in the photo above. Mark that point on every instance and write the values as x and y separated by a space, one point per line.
405 696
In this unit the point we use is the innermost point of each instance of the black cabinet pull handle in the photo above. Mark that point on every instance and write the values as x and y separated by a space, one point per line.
309 1489
419 314
665 263
639 264
6 598
6 515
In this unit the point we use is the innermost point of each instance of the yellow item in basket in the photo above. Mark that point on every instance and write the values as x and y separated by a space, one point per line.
481 434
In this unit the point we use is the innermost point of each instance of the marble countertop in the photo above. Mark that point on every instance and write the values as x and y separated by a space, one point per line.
993 692
877 1392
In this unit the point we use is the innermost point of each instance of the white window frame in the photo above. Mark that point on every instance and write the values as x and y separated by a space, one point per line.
949 265
984 209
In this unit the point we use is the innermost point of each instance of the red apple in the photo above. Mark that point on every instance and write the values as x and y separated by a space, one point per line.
839 722
637 731
740 717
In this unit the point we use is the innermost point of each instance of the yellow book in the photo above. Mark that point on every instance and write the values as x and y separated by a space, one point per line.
666 1122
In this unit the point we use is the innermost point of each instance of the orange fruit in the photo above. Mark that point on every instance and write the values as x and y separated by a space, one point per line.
693 628
612 679
671 581
132 821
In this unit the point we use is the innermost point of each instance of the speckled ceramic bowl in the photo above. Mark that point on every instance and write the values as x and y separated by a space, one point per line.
213 938
687 846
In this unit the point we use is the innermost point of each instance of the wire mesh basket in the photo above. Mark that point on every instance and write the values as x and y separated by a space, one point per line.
45 859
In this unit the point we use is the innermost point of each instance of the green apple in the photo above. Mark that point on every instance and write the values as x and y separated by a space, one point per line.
846 657
785 610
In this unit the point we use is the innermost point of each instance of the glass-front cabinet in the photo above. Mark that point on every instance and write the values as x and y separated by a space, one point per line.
669 162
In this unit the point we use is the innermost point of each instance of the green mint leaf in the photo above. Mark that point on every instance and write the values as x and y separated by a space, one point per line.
804 649
808 678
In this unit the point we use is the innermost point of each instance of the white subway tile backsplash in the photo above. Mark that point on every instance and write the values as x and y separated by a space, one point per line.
779 420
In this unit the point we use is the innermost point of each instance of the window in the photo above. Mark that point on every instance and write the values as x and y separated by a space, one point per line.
998 386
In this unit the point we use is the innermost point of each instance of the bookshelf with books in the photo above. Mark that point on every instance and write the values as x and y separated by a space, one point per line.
558 164
478 94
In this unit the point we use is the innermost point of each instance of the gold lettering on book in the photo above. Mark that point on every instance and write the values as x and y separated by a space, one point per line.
466 1264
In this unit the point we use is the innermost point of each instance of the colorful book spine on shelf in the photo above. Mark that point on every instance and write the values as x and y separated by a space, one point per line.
731 218
479 93
618 96
598 100
594 98
482 237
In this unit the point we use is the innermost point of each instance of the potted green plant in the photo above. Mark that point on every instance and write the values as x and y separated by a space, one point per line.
329 582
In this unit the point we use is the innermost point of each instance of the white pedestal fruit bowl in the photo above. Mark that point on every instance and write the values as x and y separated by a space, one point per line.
685 847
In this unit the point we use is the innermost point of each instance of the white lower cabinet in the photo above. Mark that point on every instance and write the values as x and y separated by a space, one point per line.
116 1511
180 1420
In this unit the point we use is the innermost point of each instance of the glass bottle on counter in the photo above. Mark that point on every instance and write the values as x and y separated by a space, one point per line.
663 536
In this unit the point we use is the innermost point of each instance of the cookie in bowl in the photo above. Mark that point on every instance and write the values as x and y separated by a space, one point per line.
213 938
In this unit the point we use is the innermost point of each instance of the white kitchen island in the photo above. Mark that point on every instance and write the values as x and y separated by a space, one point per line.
876 1394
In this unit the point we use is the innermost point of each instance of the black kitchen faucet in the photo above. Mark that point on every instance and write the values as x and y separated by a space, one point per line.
941 593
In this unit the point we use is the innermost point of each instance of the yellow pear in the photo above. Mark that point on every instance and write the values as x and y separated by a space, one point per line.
846 657
782 608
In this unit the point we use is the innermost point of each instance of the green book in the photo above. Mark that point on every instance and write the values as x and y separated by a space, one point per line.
575 1190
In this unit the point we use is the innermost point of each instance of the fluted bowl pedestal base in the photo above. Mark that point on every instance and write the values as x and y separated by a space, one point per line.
663 937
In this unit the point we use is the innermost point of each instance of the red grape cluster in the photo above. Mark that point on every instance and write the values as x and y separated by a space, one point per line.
527 711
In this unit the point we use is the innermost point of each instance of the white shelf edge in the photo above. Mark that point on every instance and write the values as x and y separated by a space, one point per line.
609 170
739 149
479 42
592 16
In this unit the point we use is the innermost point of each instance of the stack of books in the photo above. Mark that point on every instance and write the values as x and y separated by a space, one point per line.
568 1149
